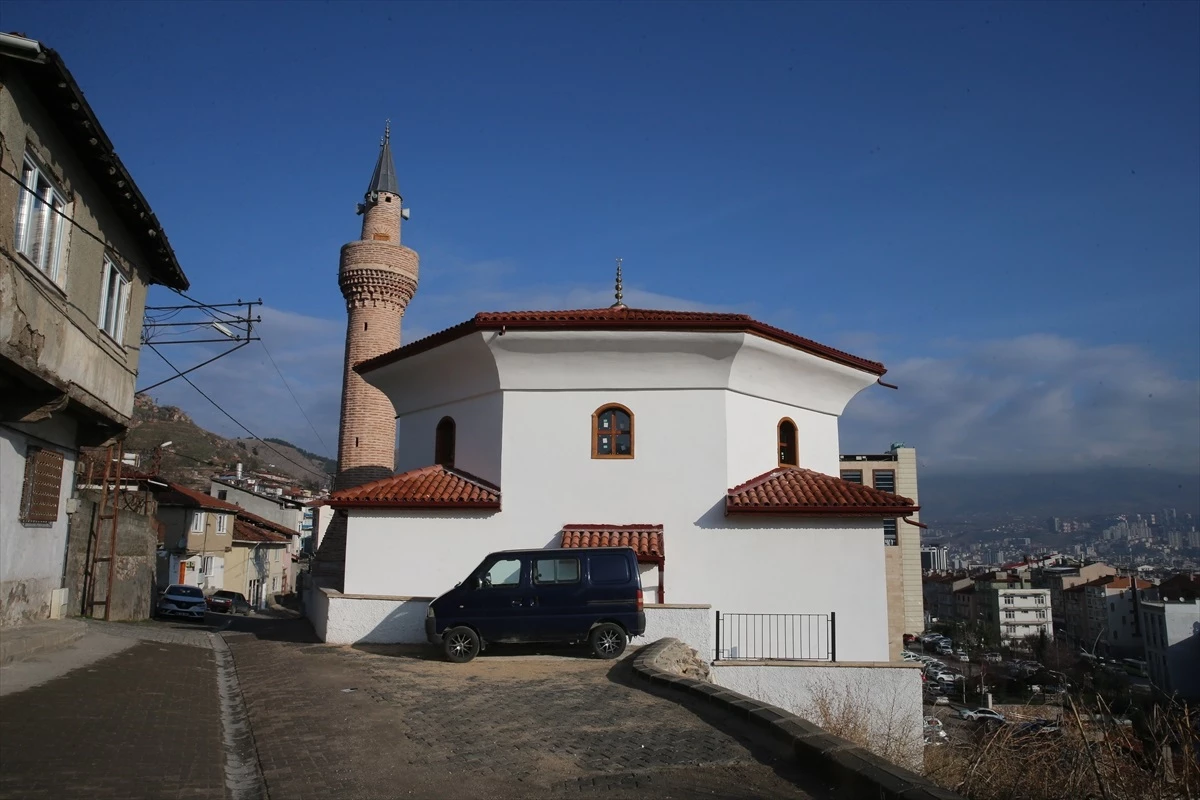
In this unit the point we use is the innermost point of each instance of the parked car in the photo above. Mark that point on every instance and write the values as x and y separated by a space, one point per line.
939 700
573 595
908 638
961 655
992 657
934 726
181 600
981 715
224 601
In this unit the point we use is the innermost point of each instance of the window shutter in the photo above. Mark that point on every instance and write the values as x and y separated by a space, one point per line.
43 485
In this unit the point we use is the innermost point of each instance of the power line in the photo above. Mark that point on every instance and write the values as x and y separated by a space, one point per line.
251 433
293 394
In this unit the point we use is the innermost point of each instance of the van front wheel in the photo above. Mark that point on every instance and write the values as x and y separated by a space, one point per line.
608 640
461 644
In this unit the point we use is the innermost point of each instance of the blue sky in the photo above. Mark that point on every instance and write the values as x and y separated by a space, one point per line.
1000 201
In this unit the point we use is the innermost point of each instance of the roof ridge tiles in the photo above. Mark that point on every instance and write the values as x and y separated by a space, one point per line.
621 318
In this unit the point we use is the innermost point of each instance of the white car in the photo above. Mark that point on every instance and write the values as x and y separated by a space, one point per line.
981 715
961 656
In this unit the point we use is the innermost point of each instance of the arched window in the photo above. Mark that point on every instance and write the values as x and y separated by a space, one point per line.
612 432
787 443
443 448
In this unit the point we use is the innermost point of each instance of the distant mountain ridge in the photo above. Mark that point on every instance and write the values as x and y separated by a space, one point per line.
1093 492
195 455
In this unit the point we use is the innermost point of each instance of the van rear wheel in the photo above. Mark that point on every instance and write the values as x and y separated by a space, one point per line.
608 640
461 644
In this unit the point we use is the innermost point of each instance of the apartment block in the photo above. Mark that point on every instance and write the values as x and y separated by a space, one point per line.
896 471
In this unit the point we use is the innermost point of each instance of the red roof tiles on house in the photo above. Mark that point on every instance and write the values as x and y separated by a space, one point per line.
179 495
244 531
620 319
262 522
792 490
646 540
429 487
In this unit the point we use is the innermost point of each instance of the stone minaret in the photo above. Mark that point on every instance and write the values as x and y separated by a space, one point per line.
378 277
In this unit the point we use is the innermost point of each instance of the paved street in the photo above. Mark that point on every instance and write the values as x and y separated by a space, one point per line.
371 722
141 722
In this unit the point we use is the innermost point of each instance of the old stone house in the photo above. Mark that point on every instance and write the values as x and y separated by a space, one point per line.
79 246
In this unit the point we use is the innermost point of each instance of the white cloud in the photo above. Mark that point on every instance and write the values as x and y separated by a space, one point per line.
1036 402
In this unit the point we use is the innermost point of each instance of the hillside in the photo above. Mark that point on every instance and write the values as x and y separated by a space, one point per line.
196 454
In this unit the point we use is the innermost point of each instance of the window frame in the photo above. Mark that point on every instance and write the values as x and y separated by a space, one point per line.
49 264
780 444
198 521
222 523
445 437
533 571
40 464
847 472
114 327
596 415
891 533
875 473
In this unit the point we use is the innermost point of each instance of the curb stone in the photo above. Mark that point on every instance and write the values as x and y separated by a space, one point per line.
854 771
20 642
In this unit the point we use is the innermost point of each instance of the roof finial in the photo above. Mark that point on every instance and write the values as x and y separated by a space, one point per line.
620 287
387 130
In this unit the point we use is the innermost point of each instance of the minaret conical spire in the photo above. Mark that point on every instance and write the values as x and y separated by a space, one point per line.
383 179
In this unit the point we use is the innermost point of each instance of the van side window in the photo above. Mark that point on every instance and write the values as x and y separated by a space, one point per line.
503 573
609 569
555 570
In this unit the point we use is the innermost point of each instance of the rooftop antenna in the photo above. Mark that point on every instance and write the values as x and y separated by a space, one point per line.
620 287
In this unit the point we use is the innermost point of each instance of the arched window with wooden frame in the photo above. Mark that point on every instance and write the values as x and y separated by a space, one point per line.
788 457
612 432
443 447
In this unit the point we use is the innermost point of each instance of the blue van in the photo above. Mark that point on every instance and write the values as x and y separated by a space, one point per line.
574 595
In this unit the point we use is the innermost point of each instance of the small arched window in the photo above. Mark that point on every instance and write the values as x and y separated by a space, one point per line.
612 432
787 443
443 447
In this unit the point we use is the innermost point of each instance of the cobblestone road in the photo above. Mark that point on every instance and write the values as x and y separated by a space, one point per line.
141 723
396 722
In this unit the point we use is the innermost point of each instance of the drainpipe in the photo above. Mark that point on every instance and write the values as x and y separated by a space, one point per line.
662 596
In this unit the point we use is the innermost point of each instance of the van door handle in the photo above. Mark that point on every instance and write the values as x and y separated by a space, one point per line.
516 603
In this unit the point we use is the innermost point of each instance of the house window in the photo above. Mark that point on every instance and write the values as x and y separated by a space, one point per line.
1008 599
222 521
1041 600
198 522
884 480
890 537
1010 615
114 301
612 432
787 443
206 565
1041 614
443 445
40 220
852 475
222 494
42 485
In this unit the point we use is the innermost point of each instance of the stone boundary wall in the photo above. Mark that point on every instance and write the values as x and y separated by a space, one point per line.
852 770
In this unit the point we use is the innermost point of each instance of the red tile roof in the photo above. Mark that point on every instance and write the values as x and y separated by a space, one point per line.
792 490
429 487
244 531
262 522
646 540
620 319
179 495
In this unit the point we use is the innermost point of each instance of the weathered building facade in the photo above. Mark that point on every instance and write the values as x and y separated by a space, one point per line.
79 246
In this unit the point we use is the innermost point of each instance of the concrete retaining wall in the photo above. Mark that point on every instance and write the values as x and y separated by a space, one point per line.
885 696
851 770
690 624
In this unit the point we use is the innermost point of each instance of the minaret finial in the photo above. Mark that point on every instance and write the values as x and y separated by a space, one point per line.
387 131
620 287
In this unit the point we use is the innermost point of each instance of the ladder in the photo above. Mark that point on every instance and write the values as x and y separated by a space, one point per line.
104 521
